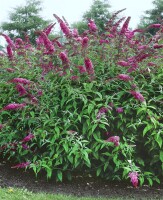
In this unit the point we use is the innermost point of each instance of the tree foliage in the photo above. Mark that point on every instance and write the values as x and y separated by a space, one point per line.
99 12
25 19
153 16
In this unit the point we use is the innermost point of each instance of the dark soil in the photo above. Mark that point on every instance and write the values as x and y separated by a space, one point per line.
79 186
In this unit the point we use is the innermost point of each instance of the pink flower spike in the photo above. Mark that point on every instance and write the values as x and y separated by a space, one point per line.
82 69
123 63
14 106
20 80
89 66
9 52
22 165
101 112
142 47
24 146
137 96
28 138
85 42
119 110
48 29
155 26
22 91
65 29
110 35
8 40
158 46
114 139
151 64
124 77
10 70
125 26
92 26
40 93
63 57
104 41
75 32
134 178
74 78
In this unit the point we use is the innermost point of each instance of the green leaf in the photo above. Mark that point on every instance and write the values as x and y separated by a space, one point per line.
90 108
77 160
106 165
147 128
98 171
65 146
59 175
32 114
79 118
161 156
158 140
150 181
141 179
103 127
49 172
94 127
57 130
99 94
70 158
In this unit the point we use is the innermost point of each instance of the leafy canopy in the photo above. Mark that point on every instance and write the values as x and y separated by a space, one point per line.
153 16
25 19
99 12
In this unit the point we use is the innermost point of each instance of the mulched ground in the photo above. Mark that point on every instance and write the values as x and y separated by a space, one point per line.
79 186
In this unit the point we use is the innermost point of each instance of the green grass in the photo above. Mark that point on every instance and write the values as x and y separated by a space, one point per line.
23 194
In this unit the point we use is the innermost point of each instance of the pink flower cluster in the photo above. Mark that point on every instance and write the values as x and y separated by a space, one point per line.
10 70
154 26
119 110
28 138
22 91
137 95
89 66
101 112
92 26
134 178
114 139
75 32
85 41
82 69
63 57
14 106
47 43
65 28
151 64
8 40
124 77
74 78
123 63
20 80
104 41
125 26
10 52
22 165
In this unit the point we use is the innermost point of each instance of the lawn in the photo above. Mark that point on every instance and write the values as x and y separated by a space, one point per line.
23 194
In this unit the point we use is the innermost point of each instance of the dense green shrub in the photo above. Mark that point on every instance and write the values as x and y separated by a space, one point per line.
92 104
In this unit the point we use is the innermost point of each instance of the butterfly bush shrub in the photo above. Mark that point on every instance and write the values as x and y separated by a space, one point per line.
89 103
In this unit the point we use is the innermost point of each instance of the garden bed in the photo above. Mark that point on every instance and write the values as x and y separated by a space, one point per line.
79 186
